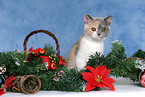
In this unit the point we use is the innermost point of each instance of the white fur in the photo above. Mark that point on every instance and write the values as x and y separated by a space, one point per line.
88 46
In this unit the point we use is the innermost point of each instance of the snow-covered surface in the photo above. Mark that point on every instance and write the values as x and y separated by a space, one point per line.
123 87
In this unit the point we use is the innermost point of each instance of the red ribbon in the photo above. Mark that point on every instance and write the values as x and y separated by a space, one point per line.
6 84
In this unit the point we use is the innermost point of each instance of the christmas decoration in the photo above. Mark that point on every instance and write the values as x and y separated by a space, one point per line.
2 80
49 61
34 54
39 50
46 61
71 79
6 85
2 75
142 78
2 69
62 61
28 84
53 59
42 31
59 78
98 78
58 75
52 66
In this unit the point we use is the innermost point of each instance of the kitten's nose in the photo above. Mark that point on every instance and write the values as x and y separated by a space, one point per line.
98 34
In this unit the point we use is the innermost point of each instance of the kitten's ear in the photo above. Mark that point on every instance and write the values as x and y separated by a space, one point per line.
87 19
108 19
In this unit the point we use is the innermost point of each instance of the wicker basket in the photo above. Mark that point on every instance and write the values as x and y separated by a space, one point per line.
42 31
28 84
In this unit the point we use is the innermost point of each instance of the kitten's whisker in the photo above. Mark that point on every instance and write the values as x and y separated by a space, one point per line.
108 39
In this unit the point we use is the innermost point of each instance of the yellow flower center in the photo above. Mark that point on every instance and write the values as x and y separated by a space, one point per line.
98 78
3 86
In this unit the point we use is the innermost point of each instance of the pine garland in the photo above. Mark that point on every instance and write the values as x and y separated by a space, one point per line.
117 61
15 62
71 80
139 54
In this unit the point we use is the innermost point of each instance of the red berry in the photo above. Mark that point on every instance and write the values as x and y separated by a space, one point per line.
60 62
63 64
52 66
60 57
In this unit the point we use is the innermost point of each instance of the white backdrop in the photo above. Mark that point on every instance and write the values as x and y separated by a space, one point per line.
123 87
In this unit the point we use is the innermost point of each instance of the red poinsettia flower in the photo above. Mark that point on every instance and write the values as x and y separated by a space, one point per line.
6 84
98 78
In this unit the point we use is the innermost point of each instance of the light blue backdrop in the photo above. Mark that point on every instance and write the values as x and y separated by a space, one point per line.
65 19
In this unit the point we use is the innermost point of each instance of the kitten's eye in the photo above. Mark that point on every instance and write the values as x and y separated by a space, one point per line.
93 29
103 29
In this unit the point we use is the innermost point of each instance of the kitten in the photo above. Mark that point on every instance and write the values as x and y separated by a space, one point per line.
90 42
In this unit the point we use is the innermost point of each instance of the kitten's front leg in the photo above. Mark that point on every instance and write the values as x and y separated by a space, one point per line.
81 61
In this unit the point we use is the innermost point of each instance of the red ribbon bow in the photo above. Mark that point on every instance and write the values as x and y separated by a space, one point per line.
6 84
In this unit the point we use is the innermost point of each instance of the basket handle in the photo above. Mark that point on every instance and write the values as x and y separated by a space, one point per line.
42 31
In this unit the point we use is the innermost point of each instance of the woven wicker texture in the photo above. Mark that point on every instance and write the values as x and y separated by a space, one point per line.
42 31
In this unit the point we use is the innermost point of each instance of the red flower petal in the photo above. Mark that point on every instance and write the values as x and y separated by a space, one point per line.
92 70
89 87
98 78
89 77
100 68
108 80
45 58
8 81
36 51
2 91
110 86
31 49
105 73
100 85
39 49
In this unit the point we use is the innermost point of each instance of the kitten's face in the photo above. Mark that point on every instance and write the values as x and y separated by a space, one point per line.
97 28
